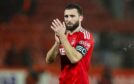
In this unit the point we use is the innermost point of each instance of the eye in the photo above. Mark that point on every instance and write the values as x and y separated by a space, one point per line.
66 16
72 15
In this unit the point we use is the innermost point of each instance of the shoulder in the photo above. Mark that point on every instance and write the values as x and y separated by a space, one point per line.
85 34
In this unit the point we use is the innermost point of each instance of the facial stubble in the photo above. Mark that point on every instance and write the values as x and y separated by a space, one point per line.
73 27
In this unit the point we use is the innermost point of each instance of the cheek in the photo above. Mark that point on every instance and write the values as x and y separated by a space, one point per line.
65 21
75 20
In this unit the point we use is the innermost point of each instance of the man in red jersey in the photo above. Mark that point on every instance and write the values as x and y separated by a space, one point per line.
74 44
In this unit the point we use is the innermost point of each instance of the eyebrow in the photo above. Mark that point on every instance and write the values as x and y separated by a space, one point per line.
69 15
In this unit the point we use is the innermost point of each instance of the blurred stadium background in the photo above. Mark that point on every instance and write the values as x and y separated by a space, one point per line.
25 37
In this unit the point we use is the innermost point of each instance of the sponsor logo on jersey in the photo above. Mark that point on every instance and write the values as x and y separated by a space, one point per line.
85 44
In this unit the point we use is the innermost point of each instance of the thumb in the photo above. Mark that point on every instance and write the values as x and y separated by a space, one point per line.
64 25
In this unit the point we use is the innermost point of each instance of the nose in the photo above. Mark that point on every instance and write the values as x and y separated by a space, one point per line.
69 18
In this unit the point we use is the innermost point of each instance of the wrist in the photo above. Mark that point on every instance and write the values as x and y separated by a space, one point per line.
57 43
60 34
63 38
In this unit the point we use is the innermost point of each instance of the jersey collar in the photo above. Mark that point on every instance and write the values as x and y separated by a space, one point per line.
76 30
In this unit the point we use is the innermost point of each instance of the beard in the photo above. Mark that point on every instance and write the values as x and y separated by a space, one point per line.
72 27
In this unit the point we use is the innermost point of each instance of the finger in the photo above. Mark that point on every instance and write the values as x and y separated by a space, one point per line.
59 22
64 25
54 25
56 22
56 36
53 28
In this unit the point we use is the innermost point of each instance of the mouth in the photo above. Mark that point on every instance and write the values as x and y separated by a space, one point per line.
69 24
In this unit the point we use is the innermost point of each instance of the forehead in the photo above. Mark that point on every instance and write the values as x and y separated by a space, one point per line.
71 12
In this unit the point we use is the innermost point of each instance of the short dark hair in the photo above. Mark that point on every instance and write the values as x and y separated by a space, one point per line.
75 6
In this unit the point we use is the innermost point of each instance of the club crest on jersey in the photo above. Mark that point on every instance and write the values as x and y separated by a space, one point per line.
73 41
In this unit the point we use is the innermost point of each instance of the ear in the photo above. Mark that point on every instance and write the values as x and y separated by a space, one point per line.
81 18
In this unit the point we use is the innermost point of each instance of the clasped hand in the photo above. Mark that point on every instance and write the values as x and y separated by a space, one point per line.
58 27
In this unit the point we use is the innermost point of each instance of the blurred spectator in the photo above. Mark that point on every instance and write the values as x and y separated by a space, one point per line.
9 8
106 77
25 55
105 40
32 78
128 59
14 58
11 56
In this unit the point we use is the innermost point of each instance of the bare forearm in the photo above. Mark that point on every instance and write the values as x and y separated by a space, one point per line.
52 53
60 28
73 55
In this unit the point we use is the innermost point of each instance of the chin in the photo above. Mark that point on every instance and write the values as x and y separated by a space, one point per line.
69 28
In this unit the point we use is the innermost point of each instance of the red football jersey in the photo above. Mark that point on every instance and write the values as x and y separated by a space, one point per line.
77 73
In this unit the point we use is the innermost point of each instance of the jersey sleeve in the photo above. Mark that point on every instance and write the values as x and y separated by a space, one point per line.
84 45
